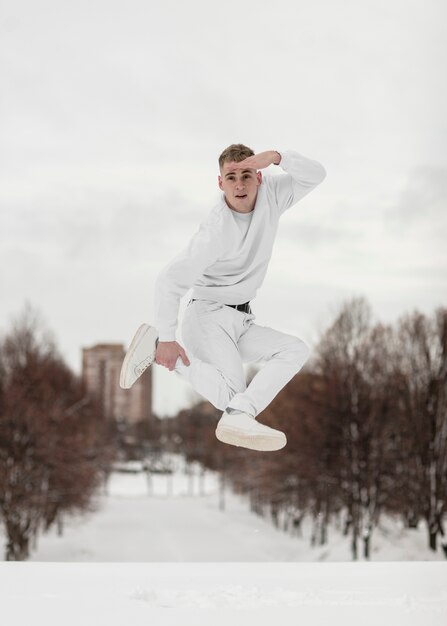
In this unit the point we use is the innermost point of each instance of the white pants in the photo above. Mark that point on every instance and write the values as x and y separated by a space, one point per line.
219 339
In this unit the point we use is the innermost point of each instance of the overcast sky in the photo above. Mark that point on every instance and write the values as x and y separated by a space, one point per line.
113 114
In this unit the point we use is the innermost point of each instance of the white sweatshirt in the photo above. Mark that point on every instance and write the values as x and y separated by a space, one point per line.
226 259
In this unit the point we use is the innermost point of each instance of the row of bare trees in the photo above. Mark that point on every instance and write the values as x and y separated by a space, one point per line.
55 445
366 422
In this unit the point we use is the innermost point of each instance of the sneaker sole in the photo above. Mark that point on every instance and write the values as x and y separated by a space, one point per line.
263 443
143 329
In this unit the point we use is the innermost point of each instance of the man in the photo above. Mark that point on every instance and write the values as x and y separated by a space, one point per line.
225 263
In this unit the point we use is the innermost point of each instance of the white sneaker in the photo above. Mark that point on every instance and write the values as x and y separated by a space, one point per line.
140 355
240 429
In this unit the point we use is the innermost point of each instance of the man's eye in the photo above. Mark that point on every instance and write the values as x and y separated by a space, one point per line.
246 175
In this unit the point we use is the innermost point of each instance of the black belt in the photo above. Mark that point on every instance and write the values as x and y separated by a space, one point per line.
245 308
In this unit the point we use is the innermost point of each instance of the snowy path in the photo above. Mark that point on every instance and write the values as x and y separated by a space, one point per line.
170 529
133 526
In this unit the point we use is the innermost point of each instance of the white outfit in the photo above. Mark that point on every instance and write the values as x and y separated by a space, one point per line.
225 262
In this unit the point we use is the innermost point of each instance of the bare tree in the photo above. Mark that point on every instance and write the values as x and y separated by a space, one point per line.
354 360
54 442
422 363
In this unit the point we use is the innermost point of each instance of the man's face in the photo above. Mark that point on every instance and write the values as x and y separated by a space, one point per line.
240 186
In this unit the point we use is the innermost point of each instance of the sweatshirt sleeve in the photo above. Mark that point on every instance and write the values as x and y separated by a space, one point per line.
179 275
302 175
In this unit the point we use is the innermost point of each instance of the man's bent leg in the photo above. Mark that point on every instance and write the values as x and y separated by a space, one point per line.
284 354
215 369
207 380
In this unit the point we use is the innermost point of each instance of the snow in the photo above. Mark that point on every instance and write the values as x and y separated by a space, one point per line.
137 593
142 553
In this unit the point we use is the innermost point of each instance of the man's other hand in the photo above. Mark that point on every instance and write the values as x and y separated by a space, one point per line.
168 352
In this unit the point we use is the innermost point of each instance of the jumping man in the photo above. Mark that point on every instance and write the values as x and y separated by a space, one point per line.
225 263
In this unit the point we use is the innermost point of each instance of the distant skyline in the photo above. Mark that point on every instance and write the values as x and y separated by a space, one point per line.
112 118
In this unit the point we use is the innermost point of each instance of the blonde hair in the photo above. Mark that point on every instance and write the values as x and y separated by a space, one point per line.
236 152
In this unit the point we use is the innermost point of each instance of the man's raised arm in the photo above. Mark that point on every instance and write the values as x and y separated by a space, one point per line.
303 174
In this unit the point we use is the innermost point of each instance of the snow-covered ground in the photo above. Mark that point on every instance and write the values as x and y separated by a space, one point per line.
142 594
174 549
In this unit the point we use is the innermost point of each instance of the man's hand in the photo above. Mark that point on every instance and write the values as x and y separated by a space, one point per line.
259 161
168 353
